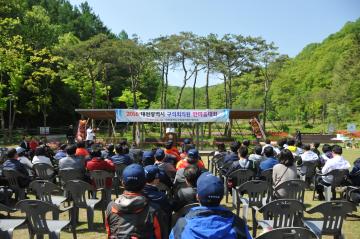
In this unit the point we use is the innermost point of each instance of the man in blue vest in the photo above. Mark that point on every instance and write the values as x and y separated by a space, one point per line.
210 220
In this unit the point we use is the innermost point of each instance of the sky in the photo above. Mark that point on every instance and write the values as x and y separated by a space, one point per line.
290 24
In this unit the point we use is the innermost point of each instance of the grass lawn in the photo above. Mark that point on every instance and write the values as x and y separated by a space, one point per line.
351 225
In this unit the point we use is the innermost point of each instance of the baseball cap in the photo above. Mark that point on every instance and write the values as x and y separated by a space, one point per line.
148 158
19 150
210 190
159 154
152 172
187 141
169 144
193 155
148 154
134 177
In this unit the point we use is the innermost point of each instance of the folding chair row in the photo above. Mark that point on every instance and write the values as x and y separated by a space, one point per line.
338 177
77 191
36 221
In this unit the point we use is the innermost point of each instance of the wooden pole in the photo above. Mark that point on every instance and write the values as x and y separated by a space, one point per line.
197 135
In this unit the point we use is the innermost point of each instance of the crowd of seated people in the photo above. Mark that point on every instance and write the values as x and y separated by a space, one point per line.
143 210
288 160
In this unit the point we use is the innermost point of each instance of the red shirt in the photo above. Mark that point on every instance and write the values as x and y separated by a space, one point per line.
33 145
175 152
82 152
184 163
99 164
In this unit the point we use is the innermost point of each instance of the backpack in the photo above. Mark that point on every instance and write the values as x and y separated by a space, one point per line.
140 226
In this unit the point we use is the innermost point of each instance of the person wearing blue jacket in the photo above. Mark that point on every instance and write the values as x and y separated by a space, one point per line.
152 176
12 163
121 157
270 160
210 220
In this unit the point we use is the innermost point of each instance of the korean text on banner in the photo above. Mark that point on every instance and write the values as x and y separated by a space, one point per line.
130 115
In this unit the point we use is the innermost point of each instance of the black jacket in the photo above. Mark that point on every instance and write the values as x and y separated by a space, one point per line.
132 215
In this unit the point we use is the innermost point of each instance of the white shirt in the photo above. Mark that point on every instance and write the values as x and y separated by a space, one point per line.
24 160
308 156
90 134
337 162
41 159
256 158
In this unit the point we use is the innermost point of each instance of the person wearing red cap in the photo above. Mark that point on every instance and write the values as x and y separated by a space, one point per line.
192 158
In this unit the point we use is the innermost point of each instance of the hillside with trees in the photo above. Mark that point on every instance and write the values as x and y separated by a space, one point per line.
55 57
320 84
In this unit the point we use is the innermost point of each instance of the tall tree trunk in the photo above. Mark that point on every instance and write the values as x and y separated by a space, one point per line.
166 85
207 94
265 110
134 88
9 123
110 131
180 94
12 114
162 96
162 86
266 92
194 90
44 117
93 99
2 119
193 99
207 89
225 92
230 105
93 89
165 92
13 117
226 102
230 91
184 83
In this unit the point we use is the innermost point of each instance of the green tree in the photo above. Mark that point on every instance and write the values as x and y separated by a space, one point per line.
185 49
12 67
45 69
207 56
128 98
87 24
38 30
84 67
164 53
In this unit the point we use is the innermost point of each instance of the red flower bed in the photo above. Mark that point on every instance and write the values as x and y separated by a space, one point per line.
356 134
277 134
